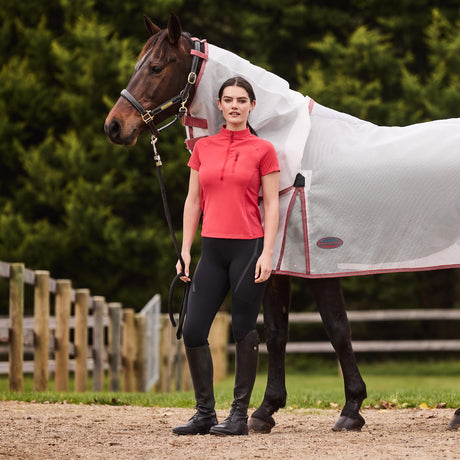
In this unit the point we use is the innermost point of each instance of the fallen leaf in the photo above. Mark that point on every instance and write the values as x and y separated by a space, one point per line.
385 404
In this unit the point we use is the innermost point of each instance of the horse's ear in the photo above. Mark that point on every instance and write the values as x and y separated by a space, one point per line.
174 29
151 27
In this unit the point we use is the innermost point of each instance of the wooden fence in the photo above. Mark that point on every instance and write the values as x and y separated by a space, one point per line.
100 337
375 345
103 337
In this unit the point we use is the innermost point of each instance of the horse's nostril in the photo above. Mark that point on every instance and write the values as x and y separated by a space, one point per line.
113 129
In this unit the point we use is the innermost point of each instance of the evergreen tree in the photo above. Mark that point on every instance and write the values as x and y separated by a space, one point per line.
84 209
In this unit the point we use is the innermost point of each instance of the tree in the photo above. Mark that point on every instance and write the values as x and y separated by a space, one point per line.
82 208
72 202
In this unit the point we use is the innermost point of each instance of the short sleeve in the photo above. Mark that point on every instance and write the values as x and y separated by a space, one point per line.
269 161
194 161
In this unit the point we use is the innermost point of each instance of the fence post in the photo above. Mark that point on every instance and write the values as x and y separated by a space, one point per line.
140 365
98 343
129 350
16 344
63 304
41 329
185 378
114 345
82 299
218 343
167 354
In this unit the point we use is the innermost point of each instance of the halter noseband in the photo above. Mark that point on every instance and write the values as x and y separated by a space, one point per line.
149 115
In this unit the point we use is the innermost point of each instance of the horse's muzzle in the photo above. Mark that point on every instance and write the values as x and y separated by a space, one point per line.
114 131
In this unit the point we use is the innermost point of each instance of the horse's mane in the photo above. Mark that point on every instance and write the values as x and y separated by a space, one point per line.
160 42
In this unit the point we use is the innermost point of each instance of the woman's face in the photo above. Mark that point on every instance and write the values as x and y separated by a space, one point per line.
235 106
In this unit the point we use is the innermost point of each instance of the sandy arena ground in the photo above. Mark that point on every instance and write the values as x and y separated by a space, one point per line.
67 431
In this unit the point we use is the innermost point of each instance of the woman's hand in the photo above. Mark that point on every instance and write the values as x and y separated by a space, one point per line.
186 258
263 268
192 213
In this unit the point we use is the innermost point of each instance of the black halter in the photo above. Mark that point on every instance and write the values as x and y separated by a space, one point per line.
148 117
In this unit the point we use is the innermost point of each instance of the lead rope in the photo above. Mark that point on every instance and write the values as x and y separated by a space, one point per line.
148 118
184 302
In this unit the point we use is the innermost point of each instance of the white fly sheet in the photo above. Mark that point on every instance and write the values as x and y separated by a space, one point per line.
367 199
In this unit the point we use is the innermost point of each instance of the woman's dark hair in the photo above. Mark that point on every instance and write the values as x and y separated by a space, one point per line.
242 83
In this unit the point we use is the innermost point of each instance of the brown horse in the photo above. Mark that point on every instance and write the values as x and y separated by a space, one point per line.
163 74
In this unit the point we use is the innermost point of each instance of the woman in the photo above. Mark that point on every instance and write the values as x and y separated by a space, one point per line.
227 170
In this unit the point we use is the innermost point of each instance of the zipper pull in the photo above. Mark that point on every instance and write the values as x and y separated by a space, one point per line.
226 156
234 161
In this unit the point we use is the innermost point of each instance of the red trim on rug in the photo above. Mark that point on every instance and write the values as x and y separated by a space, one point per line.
306 243
288 215
190 143
286 190
359 273
199 54
203 64
188 120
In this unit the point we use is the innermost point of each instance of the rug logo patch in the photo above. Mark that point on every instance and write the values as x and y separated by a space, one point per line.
330 242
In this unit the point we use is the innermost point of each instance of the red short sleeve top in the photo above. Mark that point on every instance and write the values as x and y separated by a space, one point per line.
230 165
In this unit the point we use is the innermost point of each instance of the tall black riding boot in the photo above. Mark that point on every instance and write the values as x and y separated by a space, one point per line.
247 358
201 370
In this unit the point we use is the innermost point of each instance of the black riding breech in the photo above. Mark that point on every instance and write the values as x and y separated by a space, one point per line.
225 264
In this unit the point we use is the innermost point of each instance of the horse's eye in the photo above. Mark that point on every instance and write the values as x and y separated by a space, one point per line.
156 69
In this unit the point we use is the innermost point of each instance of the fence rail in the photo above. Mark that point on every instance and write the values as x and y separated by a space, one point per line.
138 348
379 315
45 336
374 345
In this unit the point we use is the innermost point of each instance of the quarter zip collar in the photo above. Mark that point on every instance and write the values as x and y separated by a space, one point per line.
234 135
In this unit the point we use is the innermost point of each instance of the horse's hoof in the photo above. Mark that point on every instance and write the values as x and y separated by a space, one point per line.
349 424
259 426
454 424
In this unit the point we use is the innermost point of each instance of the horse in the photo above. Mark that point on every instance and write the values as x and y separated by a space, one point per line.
169 69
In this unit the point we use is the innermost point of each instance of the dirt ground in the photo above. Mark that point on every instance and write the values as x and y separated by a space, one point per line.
67 431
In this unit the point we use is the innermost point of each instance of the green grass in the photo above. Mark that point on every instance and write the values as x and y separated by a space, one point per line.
401 384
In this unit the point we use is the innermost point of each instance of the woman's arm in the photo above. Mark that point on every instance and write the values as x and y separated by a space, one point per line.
270 187
192 213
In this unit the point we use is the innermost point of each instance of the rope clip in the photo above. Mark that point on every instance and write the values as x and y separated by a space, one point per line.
156 156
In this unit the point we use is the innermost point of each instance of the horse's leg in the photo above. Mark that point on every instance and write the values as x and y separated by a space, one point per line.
454 424
276 316
331 305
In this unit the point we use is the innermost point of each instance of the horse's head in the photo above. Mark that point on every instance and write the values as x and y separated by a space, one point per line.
160 74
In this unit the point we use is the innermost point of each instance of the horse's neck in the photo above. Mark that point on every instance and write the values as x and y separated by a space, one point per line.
271 91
